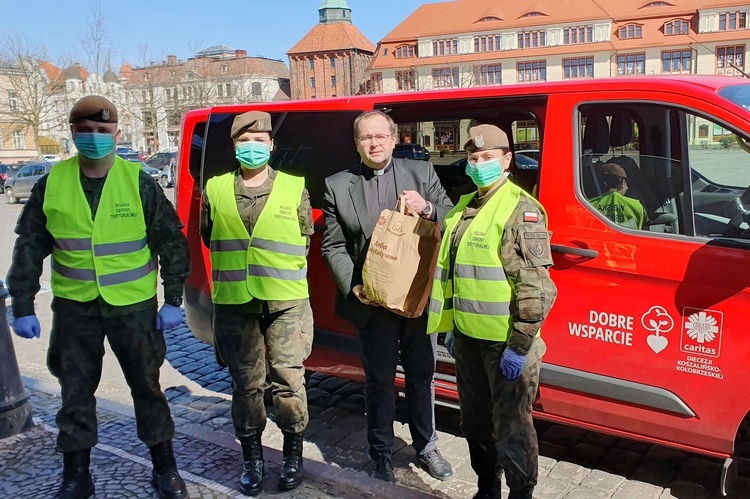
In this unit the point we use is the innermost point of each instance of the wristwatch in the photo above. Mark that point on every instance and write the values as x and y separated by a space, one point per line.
173 300
427 210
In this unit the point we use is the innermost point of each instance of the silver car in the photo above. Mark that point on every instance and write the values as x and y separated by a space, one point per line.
19 187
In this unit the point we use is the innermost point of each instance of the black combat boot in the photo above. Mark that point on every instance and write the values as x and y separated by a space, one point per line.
165 477
291 468
251 480
77 482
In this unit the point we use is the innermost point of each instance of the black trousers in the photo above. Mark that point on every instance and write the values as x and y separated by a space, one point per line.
75 357
382 337
496 415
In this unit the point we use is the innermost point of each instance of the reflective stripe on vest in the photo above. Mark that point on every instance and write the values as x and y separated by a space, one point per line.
270 265
107 256
476 298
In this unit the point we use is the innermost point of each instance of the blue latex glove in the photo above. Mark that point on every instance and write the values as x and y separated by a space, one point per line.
449 343
27 326
511 363
168 317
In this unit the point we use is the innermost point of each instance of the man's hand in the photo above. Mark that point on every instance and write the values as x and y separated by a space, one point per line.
414 201
511 363
359 292
168 317
27 326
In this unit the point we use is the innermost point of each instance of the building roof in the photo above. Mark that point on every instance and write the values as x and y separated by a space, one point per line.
331 37
215 50
110 77
207 68
334 4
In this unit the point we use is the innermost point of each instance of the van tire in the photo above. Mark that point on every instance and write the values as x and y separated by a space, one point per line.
10 196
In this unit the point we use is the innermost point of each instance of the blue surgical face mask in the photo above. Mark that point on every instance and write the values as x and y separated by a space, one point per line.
252 155
486 173
94 145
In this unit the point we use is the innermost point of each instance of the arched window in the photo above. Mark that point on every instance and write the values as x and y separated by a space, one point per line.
489 19
404 51
534 14
677 27
631 31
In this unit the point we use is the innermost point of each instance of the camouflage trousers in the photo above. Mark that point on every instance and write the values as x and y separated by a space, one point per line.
76 349
244 340
496 415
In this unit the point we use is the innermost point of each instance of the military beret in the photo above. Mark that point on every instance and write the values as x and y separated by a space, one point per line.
94 108
485 137
614 169
253 121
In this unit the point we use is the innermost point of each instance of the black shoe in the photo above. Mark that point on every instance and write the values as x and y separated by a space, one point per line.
383 469
436 465
77 482
291 467
165 478
251 480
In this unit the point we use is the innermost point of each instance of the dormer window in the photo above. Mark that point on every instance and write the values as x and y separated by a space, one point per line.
677 27
489 19
631 31
657 4
534 14
404 51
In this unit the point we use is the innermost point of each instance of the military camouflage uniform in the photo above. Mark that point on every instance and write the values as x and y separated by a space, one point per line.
76 344
495 411
283 328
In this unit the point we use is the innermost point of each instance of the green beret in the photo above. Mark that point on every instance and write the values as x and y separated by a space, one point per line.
94 108
253 121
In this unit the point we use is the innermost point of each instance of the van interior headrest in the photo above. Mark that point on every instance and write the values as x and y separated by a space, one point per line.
621 130
596 134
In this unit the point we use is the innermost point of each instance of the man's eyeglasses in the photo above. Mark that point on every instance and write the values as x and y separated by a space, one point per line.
367 140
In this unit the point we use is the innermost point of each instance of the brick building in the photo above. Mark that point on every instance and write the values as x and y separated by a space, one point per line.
332 58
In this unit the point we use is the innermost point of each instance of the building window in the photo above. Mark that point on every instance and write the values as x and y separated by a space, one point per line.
375 83
730 60
579 67
489 19
579 34
530 39
631 31
732 20
332 62
333 82
312 63
657 4
169 93
445 47
256 90
489 75
445 78
312 82
677 27
532 71
676 61
405 51
487 43
225 90
631 64
224 69
405 81
13 101
19 140
533 14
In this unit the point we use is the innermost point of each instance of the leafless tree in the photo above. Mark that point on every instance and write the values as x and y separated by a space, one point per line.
97 44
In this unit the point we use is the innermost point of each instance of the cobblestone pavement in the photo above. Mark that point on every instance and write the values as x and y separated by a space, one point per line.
574 464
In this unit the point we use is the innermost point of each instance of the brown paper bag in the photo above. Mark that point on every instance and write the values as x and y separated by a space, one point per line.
400 261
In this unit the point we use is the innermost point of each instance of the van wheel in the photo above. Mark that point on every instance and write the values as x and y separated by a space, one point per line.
10 195
163 181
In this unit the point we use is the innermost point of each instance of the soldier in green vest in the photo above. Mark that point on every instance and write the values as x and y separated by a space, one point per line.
257 223
491 292
104 222
613 204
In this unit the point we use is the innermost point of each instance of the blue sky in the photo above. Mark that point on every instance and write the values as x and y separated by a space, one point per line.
265 28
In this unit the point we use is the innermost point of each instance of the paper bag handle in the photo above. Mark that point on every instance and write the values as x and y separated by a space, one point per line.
401 202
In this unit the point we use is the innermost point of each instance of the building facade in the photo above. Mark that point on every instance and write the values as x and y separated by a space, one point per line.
332 58
466 43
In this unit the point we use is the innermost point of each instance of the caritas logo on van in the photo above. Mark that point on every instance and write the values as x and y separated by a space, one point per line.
701 332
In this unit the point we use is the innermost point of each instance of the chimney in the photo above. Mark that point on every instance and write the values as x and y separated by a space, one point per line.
239 54
171 59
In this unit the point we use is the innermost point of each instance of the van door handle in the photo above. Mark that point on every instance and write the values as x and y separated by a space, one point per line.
573 250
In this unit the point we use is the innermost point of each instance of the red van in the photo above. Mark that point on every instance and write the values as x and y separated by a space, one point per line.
648 337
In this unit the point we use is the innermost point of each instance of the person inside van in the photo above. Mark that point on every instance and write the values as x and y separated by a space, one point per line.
613 204
257 223
491 293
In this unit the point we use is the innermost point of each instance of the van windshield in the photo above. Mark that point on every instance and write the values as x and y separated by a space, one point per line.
739 94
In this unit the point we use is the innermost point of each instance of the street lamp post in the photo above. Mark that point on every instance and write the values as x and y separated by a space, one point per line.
15 409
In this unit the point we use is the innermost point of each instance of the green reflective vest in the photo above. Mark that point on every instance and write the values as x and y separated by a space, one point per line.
269 265
109 255
476 297
622 210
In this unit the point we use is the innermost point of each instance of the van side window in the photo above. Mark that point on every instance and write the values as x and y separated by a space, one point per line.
660 169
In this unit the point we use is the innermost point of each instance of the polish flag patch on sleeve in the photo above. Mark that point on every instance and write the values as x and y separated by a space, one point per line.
530 216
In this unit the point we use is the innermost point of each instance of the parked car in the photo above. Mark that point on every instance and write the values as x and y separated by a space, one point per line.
154 172
130 156
8 172
52 158
125 150
19 187
161 160
531 153
411 151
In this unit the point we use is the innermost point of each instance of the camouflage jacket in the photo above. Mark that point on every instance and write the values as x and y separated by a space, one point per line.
34 244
